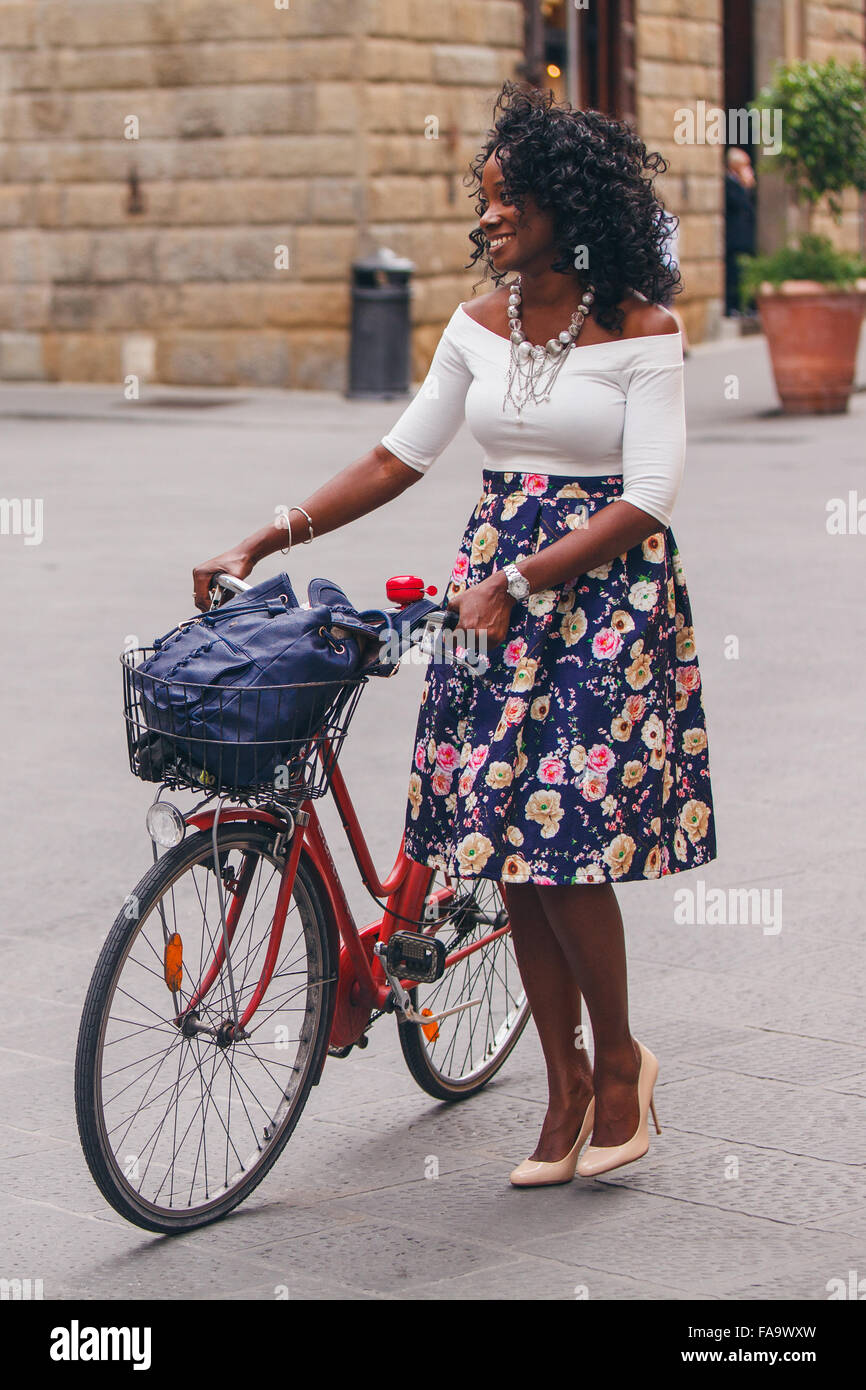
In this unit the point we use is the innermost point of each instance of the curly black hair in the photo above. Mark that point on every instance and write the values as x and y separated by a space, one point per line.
596 176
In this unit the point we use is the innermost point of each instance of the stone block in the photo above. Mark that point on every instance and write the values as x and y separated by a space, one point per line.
681 9
125 254
392 17
319 258
262 359
21 353
436 19
232 253
25 257
403 196
502 22
383 59
82 356
195 359
25 307
319 361
466 65
333 107
27 69
335 200
20 25
35 115
17 205
313 304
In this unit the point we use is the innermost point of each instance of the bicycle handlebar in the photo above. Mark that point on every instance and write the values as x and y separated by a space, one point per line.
476 663
228 581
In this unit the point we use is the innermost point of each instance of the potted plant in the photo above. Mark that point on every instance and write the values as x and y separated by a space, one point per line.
811 297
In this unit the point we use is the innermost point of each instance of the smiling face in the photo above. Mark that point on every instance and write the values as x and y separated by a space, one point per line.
517 240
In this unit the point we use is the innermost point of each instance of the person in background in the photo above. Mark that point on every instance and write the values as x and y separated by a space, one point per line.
739 222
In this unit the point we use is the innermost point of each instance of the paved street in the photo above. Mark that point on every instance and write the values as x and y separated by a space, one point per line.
757 1186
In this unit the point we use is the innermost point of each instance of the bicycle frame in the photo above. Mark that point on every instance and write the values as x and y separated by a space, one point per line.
362 985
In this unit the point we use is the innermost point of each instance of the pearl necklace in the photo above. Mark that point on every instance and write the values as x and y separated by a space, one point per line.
533 370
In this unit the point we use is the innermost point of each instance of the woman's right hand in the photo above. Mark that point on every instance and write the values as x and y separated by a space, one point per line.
235 562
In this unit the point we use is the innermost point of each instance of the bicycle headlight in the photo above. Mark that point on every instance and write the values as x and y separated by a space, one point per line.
165 824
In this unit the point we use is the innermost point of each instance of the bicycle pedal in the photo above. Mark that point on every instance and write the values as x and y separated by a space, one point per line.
412 956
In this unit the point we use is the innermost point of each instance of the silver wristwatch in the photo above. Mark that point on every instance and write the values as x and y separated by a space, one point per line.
518 585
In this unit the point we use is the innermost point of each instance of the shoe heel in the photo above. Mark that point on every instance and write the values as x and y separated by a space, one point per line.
655 1117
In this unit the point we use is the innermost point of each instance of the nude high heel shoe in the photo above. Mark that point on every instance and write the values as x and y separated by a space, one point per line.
602 1160
533 1173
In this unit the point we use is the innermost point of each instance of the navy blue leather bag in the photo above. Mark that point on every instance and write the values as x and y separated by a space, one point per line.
233 696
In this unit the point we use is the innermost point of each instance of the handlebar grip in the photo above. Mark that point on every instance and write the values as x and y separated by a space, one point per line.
451 619
228 581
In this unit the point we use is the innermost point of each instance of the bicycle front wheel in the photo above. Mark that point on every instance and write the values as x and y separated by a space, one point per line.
179 1122
457 1056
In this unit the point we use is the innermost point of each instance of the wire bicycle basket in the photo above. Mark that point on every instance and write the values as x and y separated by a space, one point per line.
281 741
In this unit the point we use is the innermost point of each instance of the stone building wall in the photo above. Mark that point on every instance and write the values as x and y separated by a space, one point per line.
278 140
262 124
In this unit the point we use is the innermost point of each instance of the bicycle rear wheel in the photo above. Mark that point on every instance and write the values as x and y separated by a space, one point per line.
178 1122
456 1057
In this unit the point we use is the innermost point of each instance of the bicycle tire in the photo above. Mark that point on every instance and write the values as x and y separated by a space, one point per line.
419 1055
165 874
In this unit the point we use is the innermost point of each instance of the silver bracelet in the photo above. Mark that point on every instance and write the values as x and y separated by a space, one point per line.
309 523
284 549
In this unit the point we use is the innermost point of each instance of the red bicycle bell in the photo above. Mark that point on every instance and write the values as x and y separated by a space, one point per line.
407 588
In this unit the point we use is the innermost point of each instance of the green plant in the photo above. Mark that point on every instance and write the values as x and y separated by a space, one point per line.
823 118
816 258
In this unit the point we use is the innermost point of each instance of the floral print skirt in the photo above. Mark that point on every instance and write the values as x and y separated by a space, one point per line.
581 756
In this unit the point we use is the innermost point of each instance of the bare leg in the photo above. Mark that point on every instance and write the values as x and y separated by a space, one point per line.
555 1002
586 921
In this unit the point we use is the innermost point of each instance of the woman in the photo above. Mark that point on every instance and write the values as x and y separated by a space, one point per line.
581 759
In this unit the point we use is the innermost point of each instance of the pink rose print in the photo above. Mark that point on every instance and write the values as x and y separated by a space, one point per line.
551 770
421 756
514 651
534 483
688 678
515 708
594 787
461 567
478 755
464 786
600 759
441 782
607 643
447 757
634 708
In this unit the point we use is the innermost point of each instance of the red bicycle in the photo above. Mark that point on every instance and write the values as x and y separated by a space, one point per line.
235 968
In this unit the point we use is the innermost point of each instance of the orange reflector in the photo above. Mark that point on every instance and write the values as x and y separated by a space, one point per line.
173 962
430 1030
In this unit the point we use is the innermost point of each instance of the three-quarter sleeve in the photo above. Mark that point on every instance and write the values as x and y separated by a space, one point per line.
434 415
654 429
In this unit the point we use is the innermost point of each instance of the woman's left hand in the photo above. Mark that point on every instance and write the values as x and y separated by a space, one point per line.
485 608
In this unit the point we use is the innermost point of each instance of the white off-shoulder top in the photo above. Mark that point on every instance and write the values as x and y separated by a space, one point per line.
615 407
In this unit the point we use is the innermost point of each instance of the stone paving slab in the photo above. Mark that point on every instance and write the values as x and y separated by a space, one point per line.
761 1037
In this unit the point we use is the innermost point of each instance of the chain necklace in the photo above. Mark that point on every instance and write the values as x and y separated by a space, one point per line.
533 370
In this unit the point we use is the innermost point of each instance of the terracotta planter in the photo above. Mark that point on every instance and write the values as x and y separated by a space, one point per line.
812 333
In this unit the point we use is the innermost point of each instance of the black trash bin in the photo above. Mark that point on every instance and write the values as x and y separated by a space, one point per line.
380 353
